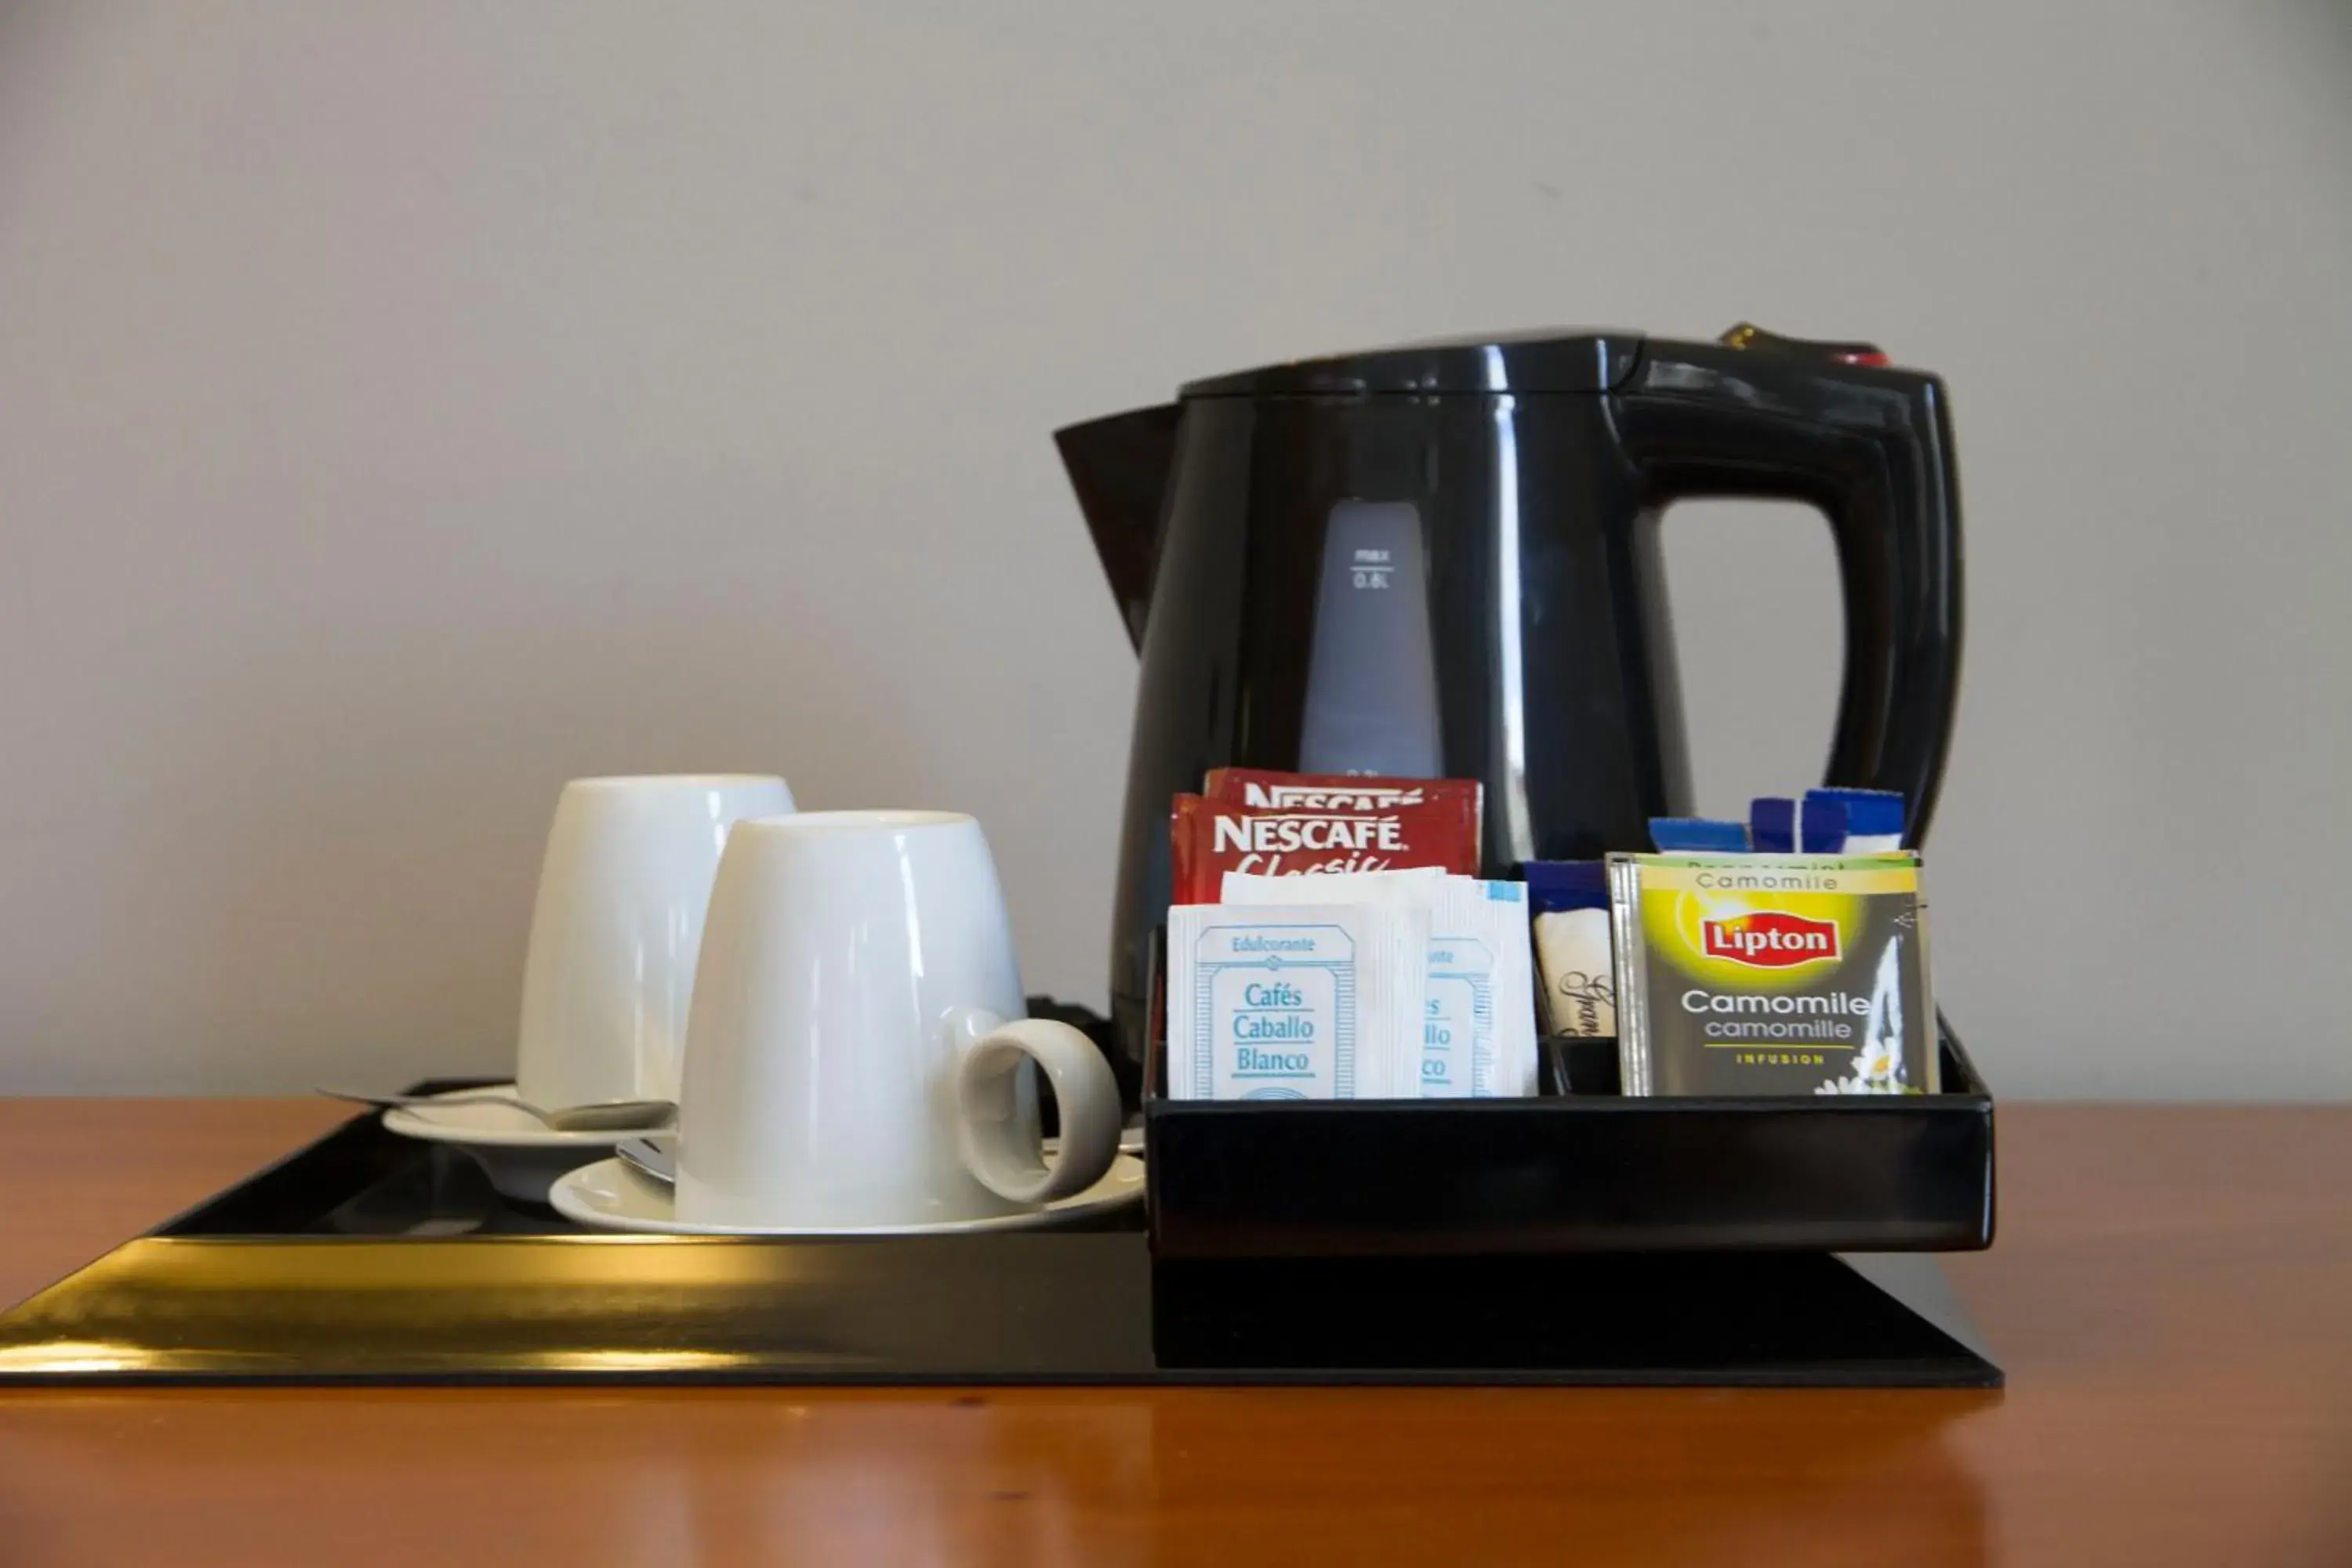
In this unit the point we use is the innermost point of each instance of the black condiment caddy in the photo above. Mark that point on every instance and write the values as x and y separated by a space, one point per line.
1678 1234
1578 1168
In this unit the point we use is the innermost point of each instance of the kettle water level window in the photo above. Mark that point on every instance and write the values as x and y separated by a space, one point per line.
1371 683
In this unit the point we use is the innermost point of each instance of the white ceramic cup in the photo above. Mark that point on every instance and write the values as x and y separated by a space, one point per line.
618 927
856 1052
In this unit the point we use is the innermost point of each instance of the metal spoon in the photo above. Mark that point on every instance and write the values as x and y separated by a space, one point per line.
604 1116
649 1159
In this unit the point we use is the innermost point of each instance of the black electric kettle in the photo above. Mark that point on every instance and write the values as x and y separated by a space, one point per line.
1443 560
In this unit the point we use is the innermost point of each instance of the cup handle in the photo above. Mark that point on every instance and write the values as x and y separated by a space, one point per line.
999 1144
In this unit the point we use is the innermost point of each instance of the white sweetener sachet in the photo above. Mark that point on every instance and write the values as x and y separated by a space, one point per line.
1482 984
1478 1036
1300 1001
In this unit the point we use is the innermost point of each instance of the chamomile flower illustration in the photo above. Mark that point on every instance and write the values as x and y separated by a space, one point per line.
1877 1065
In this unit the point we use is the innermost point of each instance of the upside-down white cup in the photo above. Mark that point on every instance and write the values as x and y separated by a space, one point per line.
617 930
855 1049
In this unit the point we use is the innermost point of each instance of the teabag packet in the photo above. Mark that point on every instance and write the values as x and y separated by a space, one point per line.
1573 959
1874 819
1772 974
1820 825
1698 836
1829 822
1478 1025
1772 824
1296 1002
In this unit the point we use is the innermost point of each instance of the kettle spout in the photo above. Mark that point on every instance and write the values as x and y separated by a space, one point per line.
1119 468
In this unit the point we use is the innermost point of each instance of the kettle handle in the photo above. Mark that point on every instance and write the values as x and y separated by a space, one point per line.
1830 425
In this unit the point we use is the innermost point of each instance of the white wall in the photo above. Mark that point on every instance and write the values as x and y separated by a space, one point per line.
406 407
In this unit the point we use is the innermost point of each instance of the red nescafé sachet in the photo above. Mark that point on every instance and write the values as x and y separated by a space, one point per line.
1277 824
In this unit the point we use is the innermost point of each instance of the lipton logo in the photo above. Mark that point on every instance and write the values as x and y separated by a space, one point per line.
1771 940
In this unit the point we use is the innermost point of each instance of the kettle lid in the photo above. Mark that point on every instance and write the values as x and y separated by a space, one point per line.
1556 359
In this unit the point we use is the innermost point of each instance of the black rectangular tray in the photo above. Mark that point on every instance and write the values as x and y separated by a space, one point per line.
364 1257
1578 1169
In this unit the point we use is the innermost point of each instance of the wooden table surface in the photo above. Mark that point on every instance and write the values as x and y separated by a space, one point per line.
2171 1295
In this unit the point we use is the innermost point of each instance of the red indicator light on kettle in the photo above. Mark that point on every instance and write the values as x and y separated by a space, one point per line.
1747 335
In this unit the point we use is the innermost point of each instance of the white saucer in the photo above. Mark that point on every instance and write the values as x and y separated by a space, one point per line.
484 1125
609 1195
523 1155
1131 1142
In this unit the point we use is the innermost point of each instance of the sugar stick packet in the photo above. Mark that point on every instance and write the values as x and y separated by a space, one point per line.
1300 1001
1574 961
